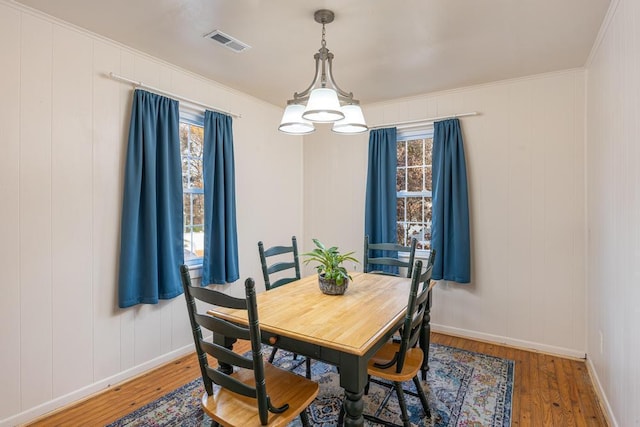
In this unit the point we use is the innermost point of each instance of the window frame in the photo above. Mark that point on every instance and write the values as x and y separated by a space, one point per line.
196 119
407 135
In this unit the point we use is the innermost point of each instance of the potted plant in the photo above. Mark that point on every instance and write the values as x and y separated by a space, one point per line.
333 277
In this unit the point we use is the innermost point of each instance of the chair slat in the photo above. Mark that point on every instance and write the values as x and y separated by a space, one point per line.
280 266
221 326
386 254
218 298
224 355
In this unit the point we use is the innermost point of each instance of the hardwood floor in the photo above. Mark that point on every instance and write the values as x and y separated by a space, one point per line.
548 390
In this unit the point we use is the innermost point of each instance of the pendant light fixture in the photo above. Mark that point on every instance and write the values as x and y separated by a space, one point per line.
323 101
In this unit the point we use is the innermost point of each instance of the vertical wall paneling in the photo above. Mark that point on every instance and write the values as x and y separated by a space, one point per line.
108 154
35 211
613 209
127 317
523 135
72 222
10 210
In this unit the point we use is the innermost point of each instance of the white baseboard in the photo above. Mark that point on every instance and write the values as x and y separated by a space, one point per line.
528 345
602 397
59 402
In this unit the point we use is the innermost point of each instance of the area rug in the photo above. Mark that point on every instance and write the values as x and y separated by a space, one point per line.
463 389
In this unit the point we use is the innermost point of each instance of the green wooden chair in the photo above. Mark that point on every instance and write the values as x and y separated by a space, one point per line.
379 254
237 395
425 339
281 265
402 361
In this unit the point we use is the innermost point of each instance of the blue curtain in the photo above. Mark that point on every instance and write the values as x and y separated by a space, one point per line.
151 241
380 204
220 264
450 217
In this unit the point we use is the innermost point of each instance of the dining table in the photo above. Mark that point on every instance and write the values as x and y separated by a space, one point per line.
342 330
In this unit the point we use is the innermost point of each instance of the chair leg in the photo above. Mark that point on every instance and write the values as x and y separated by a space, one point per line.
341 415
308 366
273 354
304 417
402 403
422 396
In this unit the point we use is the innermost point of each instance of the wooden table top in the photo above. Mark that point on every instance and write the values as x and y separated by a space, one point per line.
372 305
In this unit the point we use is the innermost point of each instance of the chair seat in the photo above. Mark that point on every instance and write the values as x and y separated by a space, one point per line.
412 363
232 409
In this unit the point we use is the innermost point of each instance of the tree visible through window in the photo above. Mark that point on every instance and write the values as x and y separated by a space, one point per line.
191 149
413 186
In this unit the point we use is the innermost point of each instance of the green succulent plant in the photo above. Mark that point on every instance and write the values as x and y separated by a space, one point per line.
330 262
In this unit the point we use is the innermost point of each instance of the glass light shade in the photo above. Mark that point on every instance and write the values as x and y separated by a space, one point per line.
353 121
292 121
323 106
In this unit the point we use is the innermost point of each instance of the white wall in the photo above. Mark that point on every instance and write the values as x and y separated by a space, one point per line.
613 209
525 160
63 128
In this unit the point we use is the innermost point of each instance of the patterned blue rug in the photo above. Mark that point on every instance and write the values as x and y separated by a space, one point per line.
463 389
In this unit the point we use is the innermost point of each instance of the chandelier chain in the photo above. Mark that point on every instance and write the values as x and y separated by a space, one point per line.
324 42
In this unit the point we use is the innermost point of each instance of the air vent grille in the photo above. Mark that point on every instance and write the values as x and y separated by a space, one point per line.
227 41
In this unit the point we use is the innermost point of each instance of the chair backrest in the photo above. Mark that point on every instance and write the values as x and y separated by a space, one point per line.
278 264
379 254
232 331
416 308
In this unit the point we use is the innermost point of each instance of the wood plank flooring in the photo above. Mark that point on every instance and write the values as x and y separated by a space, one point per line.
548 390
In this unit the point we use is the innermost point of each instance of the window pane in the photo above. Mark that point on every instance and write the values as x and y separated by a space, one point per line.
184 138
415 151
414 181
195 170
401 180
414 209
196 136
428 178
197 201
400 235
186 200
400 205
185 173
402 150
415 230
428 151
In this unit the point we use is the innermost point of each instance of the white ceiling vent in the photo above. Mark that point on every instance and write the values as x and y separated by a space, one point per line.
227 41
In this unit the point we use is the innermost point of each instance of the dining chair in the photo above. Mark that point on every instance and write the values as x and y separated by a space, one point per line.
381 254
425 339
399 362
281 265
252 392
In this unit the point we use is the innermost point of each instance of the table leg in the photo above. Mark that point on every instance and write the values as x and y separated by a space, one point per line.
228 343
353 379
353 407
425 337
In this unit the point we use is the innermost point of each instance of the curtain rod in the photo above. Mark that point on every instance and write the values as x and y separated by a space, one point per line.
171 95
421 122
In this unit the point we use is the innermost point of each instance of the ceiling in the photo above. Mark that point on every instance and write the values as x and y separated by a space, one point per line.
383 49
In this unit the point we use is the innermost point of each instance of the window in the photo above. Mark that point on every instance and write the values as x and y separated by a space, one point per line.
413 186
191 144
